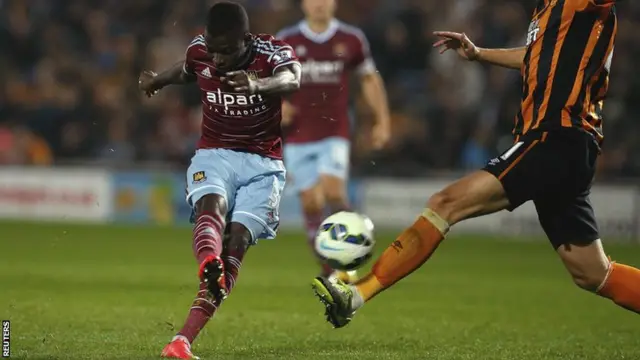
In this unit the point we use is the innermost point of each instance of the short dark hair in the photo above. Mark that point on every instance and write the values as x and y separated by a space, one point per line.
227 18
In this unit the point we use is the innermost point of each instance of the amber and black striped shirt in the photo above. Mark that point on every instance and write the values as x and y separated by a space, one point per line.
565 71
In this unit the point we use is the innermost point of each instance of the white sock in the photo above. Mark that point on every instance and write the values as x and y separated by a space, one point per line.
356 300
180 337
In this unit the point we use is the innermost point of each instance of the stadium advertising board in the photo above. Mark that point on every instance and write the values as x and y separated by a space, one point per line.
159 198
396 203
150 197
68 194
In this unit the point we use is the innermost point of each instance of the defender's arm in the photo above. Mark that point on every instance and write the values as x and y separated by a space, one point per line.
508 58
461 44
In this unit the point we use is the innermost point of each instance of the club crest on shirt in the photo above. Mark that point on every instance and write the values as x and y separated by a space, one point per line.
340 49
199 177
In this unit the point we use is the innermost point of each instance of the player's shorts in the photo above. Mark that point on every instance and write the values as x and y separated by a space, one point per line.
251 184
556 171
306 162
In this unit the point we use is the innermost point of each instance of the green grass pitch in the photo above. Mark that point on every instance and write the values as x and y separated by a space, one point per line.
94 292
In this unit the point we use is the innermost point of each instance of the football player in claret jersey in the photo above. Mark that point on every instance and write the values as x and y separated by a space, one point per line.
317 123
236 176
565 66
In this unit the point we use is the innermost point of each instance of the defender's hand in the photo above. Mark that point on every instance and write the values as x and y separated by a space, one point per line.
146 83
380 135
458 42
240 82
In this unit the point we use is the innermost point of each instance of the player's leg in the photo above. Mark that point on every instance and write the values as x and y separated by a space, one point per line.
571 227
208 188
236 247
304 179
334 189
506 182
476 194
313 206
257 202
333 166
208 233
236 243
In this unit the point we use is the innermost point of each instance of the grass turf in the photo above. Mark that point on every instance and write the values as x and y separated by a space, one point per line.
92 292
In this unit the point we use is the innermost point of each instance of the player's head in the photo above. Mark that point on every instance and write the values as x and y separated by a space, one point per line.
319 10
226 34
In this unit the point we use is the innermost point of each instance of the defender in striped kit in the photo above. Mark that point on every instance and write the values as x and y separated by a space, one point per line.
236 176
565 68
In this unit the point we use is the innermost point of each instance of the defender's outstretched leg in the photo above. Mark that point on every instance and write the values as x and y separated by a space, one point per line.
476 194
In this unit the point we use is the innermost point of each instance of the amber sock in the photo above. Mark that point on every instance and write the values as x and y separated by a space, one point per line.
406 254
622 286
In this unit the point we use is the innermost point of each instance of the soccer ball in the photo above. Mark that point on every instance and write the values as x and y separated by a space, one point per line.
345 240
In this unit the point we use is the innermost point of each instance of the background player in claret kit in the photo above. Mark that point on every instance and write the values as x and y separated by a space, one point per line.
565 71
237 172
317 133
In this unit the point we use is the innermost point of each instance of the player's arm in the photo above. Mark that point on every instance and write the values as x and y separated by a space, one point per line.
373 91
151 83
508 58
285 80
182 72
285 74
176 75
288 110
375 95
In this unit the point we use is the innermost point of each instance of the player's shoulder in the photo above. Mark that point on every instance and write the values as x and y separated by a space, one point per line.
196 44
351 31
289 32
268 42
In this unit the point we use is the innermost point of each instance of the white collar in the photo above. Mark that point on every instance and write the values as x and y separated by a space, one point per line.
319 37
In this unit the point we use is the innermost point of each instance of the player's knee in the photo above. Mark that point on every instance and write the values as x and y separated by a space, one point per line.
587 275
334 192
313 201
337 200
588 279
239 237
442 204
212 203
587 265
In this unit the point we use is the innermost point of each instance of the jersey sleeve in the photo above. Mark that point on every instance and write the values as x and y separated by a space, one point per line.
282 55
363 62
189 67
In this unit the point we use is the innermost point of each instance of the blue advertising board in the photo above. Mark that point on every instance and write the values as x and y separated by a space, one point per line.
159 198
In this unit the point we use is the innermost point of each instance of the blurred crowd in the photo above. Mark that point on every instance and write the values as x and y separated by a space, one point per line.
69 71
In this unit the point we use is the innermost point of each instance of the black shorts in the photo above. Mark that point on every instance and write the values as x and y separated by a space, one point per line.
555 170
